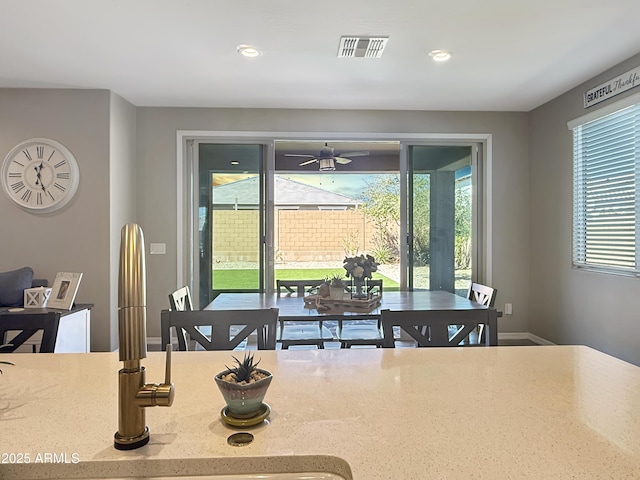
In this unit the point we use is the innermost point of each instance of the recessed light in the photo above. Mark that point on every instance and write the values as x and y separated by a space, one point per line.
235 162
440 55
248 51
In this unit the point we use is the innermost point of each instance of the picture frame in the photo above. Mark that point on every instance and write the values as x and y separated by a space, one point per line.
64 290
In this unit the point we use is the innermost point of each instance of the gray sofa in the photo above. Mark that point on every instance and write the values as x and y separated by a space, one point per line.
13 284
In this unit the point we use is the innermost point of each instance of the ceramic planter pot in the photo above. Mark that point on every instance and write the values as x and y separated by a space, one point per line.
336 293
244 401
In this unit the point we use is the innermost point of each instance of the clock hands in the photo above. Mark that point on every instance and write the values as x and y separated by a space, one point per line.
38 169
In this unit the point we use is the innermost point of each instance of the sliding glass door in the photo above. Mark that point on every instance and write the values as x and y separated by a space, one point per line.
231 219
440 201
261 213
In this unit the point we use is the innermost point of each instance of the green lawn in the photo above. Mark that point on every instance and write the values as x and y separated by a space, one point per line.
243 279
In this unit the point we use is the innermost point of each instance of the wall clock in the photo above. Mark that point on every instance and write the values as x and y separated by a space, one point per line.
40 175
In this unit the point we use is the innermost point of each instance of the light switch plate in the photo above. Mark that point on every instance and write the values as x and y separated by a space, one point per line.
158 248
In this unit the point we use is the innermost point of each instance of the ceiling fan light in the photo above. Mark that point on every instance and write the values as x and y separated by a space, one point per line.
440 55
326 164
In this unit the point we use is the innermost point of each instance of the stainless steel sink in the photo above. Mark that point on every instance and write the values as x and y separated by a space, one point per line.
278 467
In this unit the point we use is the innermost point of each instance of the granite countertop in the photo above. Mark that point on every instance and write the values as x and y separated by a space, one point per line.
500 412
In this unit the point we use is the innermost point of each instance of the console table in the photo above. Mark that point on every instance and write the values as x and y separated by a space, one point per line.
73 330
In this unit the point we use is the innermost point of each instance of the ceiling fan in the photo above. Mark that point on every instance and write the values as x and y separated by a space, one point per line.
327 159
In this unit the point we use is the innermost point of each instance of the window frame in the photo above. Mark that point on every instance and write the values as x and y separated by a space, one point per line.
580 242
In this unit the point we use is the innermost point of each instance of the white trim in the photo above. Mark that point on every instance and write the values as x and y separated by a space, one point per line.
157 341
180 183
222 135
487 162
604 111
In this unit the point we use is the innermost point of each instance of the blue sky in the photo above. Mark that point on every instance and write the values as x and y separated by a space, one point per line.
349 184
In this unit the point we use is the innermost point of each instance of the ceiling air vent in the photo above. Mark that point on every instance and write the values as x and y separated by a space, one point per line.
366 47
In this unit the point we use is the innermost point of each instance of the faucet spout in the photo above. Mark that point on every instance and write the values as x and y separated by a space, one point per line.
134 395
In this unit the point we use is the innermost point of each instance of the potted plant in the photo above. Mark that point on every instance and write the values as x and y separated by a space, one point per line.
359 268
243 387
336 287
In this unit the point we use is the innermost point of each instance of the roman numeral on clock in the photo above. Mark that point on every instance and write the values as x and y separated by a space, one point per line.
16 187
26 195
59 187
39 198
40 151
59 164
64 176
27 154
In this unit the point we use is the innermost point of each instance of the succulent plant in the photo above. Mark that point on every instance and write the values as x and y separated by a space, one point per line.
336 281
243 369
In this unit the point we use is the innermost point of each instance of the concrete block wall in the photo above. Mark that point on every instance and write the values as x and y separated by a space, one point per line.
236 236
301 235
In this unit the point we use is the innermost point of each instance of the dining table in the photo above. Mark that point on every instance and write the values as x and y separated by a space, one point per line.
430 302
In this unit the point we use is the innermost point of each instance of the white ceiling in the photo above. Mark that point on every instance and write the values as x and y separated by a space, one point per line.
509 55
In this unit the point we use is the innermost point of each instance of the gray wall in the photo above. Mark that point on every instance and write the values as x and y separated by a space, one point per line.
567 305
156 152
127 167
122 198
76 238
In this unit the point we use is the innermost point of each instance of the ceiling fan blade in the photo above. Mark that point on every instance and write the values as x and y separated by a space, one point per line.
313 160
355 154
305 155
342 160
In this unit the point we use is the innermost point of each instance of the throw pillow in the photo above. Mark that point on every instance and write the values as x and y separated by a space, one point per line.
12 286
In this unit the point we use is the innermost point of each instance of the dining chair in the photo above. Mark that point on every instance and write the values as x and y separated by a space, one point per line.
220 329
483 295
362 331
180 300
297 287
429 328
292 333
374 286
17 329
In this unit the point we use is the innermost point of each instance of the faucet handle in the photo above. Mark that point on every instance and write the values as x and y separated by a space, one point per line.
152 394
167 370
166 391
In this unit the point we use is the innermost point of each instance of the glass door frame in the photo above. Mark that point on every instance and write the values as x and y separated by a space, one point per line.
187 226
481 195
188 174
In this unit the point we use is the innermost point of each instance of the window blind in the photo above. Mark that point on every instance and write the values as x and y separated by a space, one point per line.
606 158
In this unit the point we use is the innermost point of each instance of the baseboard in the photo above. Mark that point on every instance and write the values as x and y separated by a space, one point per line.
156 342
524 336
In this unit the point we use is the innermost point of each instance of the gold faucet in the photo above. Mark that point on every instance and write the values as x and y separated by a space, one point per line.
134 395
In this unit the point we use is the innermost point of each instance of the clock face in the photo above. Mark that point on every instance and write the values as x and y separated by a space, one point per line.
40 175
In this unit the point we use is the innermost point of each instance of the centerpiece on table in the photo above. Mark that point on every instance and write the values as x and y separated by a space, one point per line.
360 268
243 388
336 287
